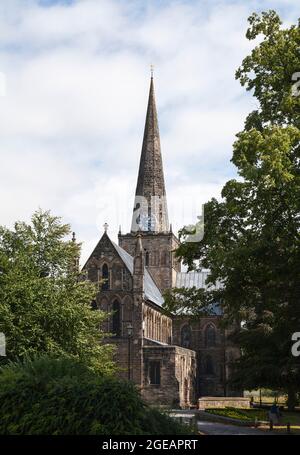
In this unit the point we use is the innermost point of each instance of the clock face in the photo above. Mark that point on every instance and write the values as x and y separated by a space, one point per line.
147 223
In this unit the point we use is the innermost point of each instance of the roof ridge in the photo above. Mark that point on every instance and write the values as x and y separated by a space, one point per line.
152 291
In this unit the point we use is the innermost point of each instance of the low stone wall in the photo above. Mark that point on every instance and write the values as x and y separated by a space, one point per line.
223 402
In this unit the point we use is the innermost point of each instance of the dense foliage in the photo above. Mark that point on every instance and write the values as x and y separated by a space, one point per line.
64 396
251 241
44 306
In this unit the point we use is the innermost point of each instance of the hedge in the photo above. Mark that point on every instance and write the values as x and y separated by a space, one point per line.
63 397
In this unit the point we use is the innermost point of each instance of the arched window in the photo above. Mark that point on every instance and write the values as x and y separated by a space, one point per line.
105 277
93 274
154 372
164 257
127 309
94 305
155 258
147 258
116 318
210 336
209 365
186 335
222 372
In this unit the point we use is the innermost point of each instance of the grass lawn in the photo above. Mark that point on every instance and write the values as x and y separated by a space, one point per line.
281 399
270 400
249 415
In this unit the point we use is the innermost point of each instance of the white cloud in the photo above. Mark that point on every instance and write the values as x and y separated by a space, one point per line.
77 85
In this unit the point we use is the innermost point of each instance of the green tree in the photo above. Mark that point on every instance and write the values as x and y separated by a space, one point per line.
44 305
62 396
252 237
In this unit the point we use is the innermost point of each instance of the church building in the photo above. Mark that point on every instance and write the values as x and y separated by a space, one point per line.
173 360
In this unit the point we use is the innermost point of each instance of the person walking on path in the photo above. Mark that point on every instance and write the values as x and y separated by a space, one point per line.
274 414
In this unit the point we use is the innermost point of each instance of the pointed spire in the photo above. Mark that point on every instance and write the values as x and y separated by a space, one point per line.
150 210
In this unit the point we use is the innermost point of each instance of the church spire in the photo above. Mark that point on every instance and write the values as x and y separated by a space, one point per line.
150 208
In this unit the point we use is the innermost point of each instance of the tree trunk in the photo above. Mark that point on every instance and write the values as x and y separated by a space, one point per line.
292 398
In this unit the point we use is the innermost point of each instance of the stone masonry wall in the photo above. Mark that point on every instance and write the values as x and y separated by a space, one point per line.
213 356
156 325
177 368
159 247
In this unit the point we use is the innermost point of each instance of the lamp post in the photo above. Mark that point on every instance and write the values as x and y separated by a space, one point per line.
129 333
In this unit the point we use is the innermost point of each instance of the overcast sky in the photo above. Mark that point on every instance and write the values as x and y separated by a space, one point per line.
77 80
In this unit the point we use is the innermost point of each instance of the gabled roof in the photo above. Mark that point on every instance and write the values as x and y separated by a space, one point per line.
152 292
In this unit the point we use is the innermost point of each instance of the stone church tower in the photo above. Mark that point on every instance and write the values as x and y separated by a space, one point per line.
172 360
150 212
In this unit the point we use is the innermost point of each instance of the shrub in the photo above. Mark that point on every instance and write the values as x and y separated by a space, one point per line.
63 397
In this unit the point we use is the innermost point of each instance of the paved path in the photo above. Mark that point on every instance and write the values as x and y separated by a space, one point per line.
215 428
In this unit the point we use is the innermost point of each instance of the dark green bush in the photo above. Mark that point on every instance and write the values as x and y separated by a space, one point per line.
63 397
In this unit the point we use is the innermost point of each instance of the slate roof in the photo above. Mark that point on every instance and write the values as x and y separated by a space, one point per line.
183 279
192 279
152 292
198 279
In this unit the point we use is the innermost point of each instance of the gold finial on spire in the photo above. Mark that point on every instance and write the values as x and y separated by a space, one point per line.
151 70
